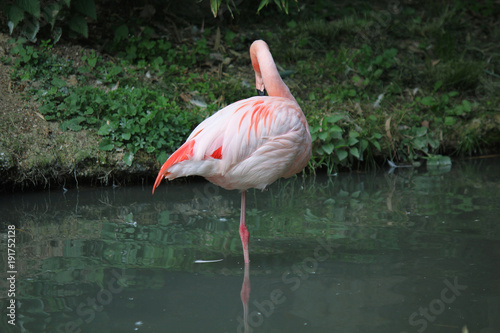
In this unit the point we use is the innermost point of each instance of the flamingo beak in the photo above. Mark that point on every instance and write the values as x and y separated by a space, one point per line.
261 92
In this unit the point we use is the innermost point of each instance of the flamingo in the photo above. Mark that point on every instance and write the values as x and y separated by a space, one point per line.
250 143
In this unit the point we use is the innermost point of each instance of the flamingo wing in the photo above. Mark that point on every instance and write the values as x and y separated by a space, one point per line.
250 143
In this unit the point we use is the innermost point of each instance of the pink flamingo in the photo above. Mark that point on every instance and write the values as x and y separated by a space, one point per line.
247 144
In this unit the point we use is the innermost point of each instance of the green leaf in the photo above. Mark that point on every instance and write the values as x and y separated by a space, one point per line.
420 143
437 85
128 158
106 144
30 28
341 154
421 131
428 101
458 110
282 5
445 99
334 129
438 161
352 141
79 25
334 118
376 145
335 135
467 105
214 6
264 3
340 144
322 136
89 111
50 12
450 121
433 143
57 82
327 148
115 70
30 6
15 15
353 134
354 152
363 144
92 60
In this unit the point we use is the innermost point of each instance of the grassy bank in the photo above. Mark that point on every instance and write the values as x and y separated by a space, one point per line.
405 82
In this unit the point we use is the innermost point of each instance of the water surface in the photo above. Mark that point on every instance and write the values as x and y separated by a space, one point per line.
406 251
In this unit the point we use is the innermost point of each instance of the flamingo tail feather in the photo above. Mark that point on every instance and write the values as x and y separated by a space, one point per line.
183 153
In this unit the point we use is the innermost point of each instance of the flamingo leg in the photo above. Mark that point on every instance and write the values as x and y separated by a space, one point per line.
244 235
245 295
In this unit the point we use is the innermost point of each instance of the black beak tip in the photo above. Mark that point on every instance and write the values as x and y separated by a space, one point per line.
261 92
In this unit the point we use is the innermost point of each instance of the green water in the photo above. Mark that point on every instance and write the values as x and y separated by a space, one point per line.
407 251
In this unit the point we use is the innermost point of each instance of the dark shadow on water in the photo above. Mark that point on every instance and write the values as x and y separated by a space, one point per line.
407 251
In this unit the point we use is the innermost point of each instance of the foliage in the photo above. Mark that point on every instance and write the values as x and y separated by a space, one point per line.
341 144
409 101
409 86
126 113
131 118
33 15
144 50
216 4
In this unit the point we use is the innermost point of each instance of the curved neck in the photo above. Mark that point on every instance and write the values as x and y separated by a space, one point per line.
266 73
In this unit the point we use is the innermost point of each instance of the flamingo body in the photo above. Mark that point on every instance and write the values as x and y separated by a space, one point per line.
250 143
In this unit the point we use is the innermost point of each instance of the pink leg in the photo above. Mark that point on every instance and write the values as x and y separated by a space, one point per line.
243 228
245 295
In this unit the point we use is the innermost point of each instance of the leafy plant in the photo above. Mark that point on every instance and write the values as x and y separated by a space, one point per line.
126 118
216 4
327 136
442 108
31 61
349 81
31 16
128 115
337 145
417 141
371 68
158 54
